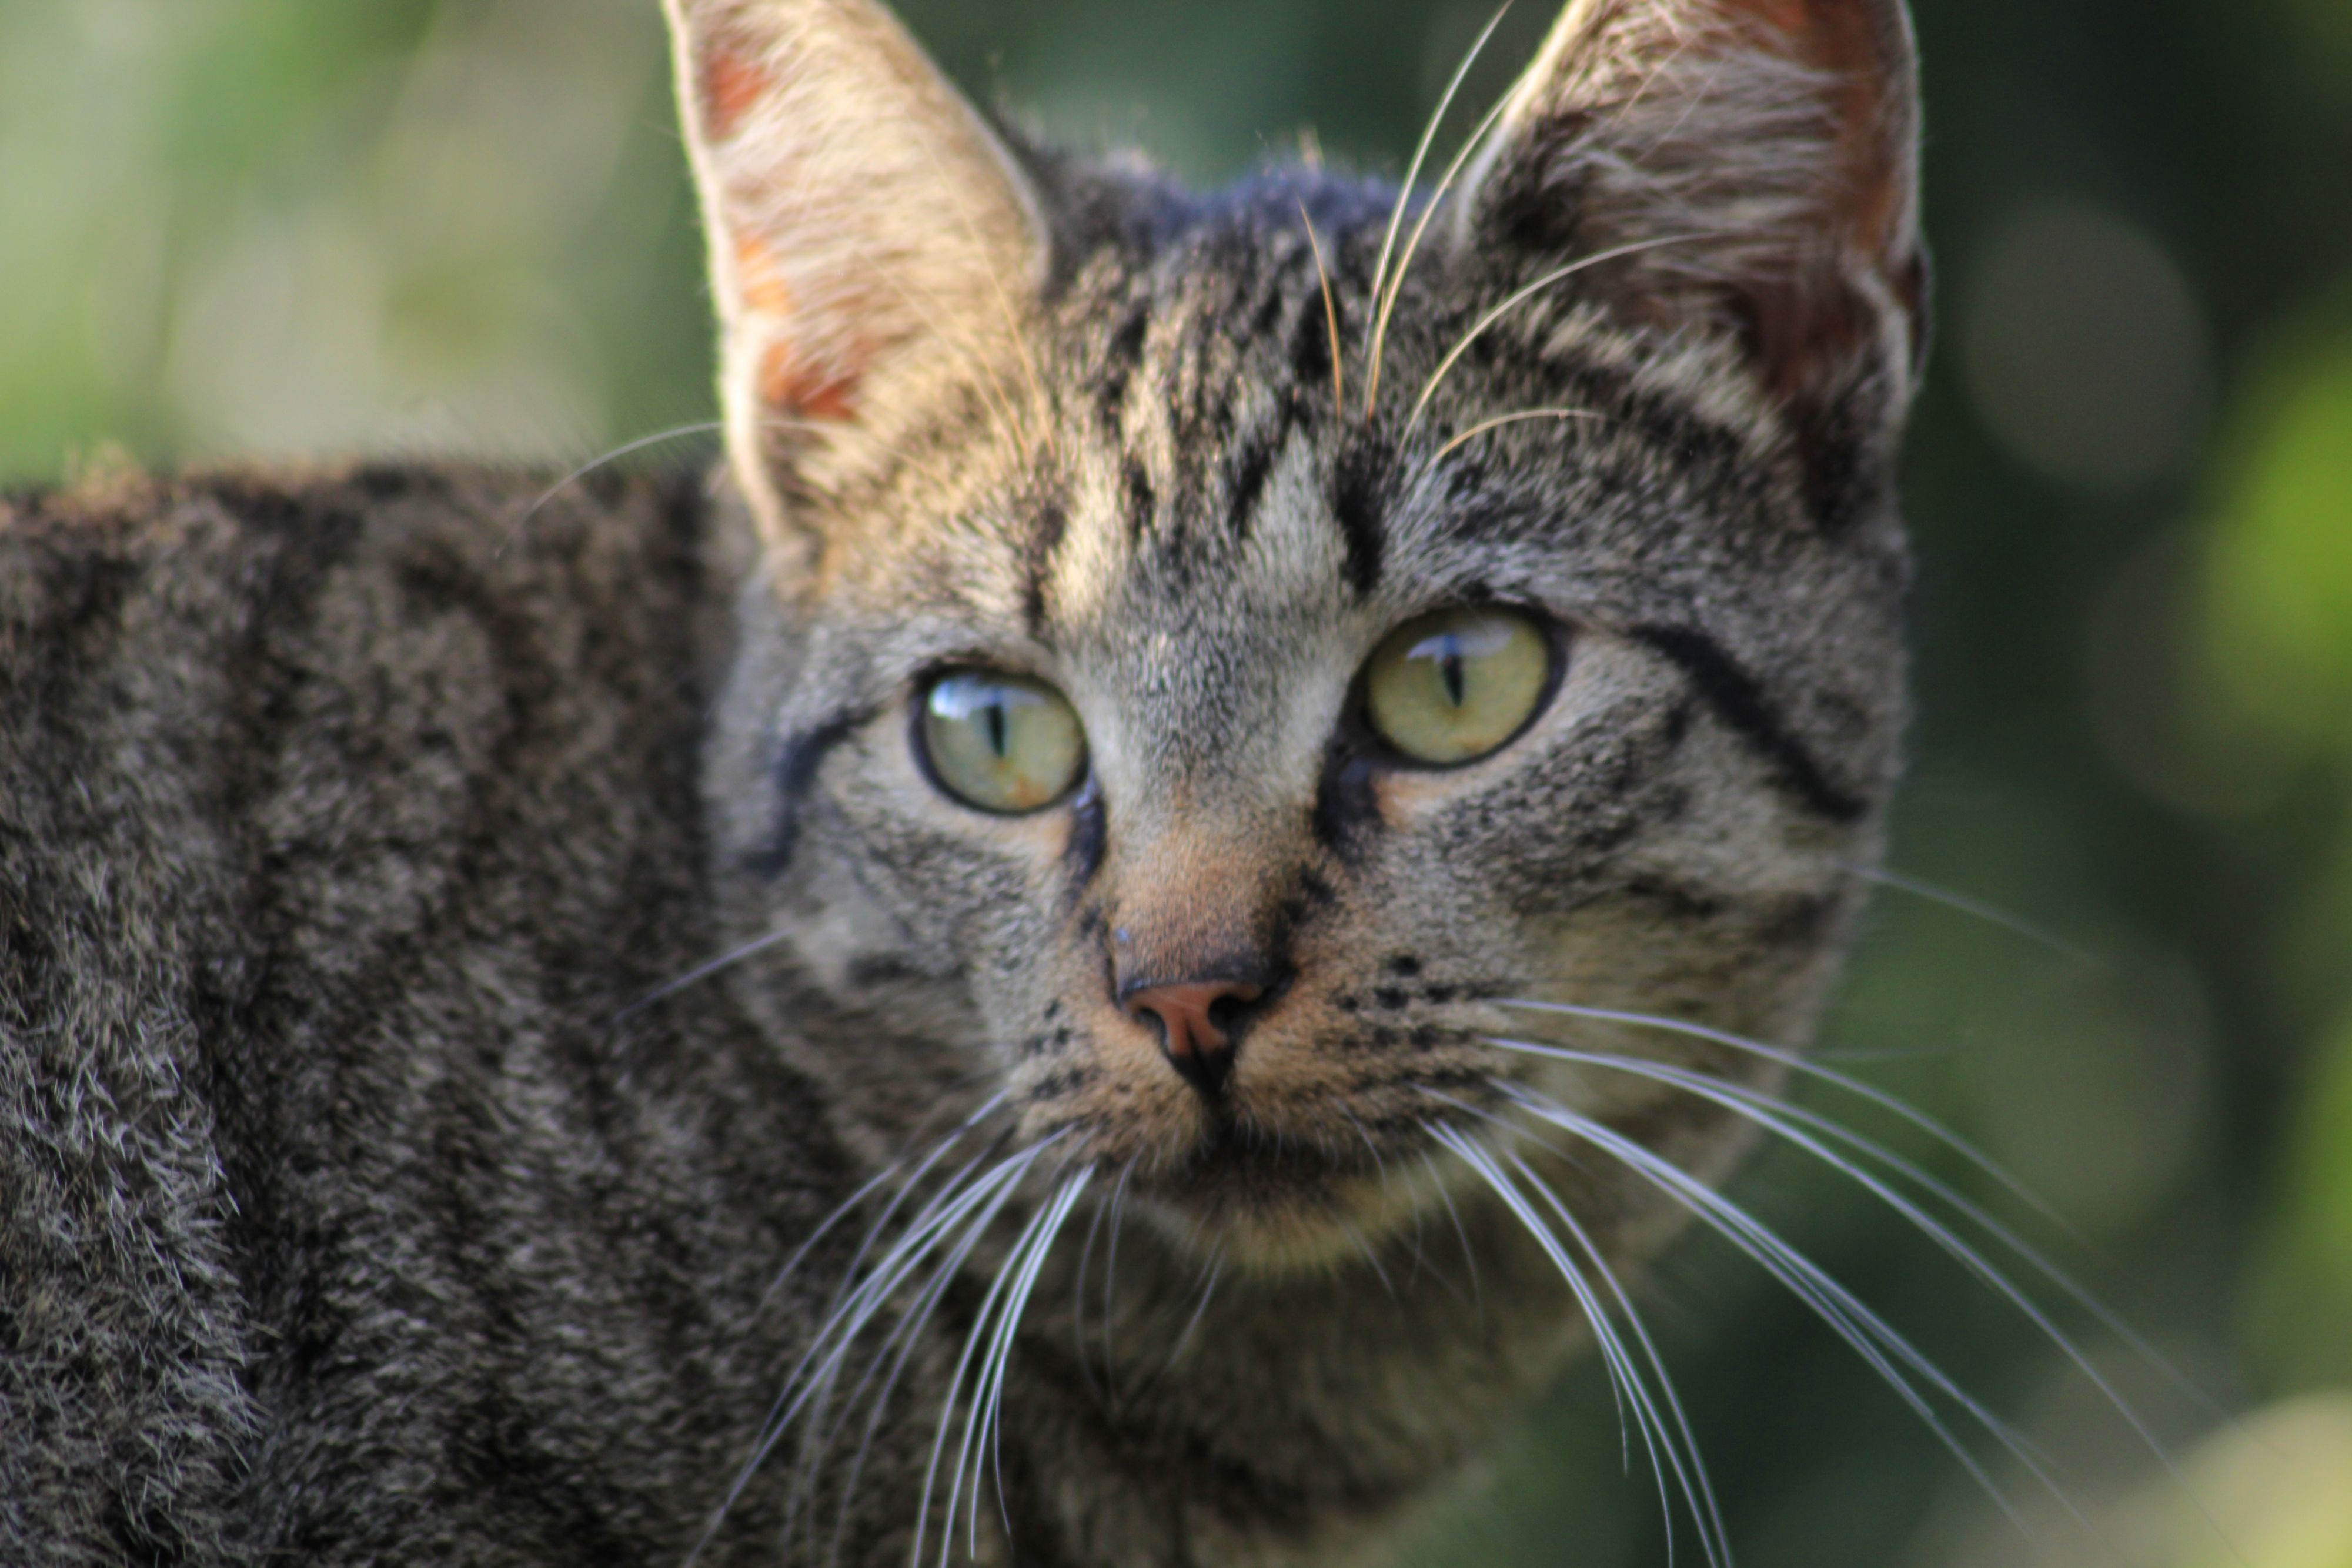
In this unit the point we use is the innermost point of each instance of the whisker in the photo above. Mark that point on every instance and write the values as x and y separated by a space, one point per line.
702 972
1477 1294
848 1317
2058 1278
1641 1334
514 531
905 1337
1376 330
980 1342
992 1429
1626 1382
910 1321
1521 296
1869 1336
1805 1067
1497 423
986 1109
1110 1273
989 1196
1470 1155
1788 1121
1991 913
1470 145
1372 1257
1078 1298
1215 1271
776 1420
1330 319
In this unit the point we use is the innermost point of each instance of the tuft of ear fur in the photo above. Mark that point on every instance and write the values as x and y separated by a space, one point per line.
1758 159
873 246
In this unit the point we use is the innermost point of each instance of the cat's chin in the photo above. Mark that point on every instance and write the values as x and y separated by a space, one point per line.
1280 1208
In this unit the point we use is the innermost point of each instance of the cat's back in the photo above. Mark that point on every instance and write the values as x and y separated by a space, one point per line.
342 819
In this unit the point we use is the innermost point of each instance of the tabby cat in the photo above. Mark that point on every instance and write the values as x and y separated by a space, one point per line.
1109 955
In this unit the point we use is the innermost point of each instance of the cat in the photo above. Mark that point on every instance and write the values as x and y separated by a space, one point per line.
1110 952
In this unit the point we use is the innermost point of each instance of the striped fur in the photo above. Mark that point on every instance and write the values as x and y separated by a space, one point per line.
450 970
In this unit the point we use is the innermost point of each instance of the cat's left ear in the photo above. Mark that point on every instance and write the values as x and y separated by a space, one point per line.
873 246
1753 166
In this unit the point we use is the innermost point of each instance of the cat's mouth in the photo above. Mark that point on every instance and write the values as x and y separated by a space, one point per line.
1259 1199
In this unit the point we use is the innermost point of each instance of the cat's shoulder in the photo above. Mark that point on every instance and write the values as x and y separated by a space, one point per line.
360 696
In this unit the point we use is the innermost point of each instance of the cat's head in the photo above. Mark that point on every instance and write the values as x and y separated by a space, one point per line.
1213 654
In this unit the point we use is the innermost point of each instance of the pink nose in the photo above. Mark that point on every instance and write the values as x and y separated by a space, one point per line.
1195 1045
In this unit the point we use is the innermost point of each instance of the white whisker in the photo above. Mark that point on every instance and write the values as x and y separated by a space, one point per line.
1626 1382
1886 1352
2058 1278
703 971
1521 296
905 1337
1461 1231
1791 1122
1211 1275
1714 1512
1372 1257
842 1326
1078 1297
848 1316
992 1427
1805 1067
998 1309
1110 1273
1376 328
1499 420
1978 908
701 427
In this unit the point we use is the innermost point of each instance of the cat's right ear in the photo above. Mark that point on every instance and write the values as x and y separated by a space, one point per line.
874 250
1743 167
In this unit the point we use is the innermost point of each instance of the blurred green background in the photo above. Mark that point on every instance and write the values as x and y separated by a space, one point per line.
419 227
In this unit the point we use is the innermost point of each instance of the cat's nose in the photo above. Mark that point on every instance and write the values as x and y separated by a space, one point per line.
1197 1019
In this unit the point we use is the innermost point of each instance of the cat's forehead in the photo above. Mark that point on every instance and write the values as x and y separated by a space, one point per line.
1181 491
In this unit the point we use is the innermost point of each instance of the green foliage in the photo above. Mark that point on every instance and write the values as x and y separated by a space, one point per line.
2280 626
2300 1327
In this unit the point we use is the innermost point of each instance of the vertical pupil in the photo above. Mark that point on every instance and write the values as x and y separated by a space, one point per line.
1450 667
999 729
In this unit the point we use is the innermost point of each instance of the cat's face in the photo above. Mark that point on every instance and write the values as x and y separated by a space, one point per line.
1201 747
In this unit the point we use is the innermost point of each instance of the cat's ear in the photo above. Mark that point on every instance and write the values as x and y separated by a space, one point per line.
872 243
1753 163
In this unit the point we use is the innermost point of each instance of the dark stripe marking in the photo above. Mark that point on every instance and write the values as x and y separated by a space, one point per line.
1119 361
1037 563
1356 507
1310 347
1347 806
1253 469
1737 697
1082 855
1142 501
797 761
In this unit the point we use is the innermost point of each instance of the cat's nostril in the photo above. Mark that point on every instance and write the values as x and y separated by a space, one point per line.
1198 1020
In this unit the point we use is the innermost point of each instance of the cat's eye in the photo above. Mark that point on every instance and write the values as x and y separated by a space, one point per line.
1002 743
1459 685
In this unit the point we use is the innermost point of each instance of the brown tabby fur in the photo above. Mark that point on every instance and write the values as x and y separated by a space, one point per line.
455 954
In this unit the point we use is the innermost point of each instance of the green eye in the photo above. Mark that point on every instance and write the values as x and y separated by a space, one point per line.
1002 743
1451 688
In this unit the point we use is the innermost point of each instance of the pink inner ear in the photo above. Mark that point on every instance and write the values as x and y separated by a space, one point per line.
791 387
790 380
1843 41
731 87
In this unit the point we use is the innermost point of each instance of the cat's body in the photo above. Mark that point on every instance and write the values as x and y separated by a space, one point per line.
459 958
